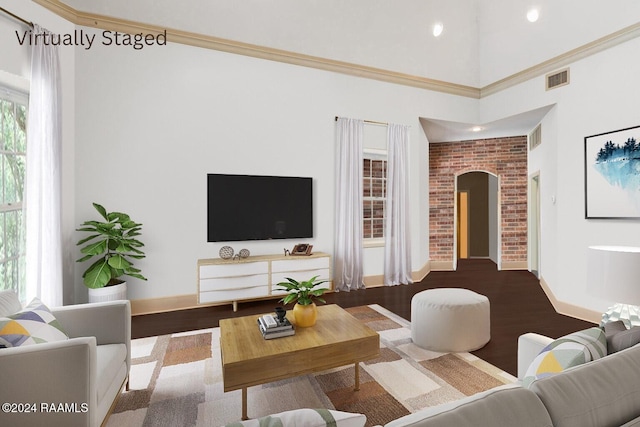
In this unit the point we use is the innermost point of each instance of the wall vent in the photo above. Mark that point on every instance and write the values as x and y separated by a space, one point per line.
557 79
535 137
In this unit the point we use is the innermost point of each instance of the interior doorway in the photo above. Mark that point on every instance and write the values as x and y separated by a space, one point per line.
463 224
534 225
477 231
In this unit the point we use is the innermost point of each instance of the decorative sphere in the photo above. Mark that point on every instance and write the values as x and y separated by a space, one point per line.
226 252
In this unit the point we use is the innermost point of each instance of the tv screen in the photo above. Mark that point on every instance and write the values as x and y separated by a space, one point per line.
252 207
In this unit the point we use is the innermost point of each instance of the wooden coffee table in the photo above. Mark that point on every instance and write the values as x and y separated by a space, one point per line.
337 339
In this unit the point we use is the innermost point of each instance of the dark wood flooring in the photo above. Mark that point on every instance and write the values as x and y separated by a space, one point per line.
518 305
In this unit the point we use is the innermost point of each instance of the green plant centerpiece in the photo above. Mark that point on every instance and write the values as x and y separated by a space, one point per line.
114 242
303 294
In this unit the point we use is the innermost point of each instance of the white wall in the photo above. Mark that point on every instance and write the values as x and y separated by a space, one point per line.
152 123
179 112
15 59
601 97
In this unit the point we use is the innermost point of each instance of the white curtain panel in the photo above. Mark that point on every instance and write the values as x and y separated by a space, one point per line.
348 271
397 236
43 181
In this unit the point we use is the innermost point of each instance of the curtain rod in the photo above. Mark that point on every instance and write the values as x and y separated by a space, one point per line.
24 21
373 122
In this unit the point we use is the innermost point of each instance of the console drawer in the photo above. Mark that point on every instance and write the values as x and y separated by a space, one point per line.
235 269
233 295
231 283
299 263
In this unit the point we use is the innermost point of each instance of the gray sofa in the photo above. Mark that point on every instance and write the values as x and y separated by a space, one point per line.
601 393
84 373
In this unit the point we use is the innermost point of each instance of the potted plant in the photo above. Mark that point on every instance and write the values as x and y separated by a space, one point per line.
114 242
304 295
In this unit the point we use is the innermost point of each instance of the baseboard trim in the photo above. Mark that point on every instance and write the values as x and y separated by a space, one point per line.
570 310
164 304
374 281
442 266
514 265
417 276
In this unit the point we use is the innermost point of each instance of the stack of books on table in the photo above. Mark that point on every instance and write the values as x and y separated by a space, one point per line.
271 327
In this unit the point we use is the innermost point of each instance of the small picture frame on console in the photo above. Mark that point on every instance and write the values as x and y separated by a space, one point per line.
302 249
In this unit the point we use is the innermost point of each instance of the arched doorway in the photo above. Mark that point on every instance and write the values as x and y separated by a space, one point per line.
477 216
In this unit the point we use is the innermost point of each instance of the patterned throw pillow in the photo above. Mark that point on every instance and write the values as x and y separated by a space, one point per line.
32 325
306 418
9 303
565 352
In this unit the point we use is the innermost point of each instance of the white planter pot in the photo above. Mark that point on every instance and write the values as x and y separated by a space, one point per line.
108 293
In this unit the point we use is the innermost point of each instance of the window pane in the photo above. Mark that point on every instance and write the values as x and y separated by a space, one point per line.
3 176
378 168
366 187
378 228
366 169
10 186
12 232
3 246
12 274
3 281
367 230
8 125
21 131
13 143
378 209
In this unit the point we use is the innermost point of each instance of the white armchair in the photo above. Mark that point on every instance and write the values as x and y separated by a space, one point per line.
529 346
73 382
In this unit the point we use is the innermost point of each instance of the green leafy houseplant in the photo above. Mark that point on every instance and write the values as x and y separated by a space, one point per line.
303 292
113 241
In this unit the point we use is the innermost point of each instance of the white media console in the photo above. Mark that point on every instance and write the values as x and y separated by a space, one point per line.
256 277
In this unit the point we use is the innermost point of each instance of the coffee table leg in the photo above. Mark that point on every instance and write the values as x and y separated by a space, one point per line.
244 405
357 387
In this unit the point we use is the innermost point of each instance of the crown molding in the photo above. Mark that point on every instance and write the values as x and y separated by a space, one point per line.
262 52
563 60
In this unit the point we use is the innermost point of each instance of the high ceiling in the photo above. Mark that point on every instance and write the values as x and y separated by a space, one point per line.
483 42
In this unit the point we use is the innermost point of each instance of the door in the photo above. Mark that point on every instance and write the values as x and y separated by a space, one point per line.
463 224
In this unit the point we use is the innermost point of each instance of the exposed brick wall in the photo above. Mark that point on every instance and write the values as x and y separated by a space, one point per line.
504 157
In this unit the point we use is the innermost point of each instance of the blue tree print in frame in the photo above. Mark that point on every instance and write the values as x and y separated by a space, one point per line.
612 174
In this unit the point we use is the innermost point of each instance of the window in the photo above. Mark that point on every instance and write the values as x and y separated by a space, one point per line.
374 187
13 147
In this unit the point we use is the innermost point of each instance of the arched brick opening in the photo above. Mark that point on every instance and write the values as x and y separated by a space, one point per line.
504 157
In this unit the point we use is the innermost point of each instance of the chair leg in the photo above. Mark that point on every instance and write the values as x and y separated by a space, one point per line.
126 387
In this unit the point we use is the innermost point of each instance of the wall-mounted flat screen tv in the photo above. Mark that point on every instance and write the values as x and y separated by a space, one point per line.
254 207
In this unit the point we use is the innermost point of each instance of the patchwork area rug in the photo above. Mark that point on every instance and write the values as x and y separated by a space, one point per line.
176 380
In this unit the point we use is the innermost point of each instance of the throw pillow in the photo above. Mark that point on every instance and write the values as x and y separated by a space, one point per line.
32 325
610 330
566 352
306 418
9 303
625 339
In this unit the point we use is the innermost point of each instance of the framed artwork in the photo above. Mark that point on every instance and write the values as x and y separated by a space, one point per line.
302 249
612 174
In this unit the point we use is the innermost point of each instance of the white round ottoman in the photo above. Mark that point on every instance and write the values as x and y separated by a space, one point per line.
450 320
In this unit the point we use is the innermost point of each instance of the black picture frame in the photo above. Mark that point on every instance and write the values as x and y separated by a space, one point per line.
612 185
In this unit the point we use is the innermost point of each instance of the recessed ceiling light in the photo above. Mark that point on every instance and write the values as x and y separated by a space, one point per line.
437 29
533 15
476 128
